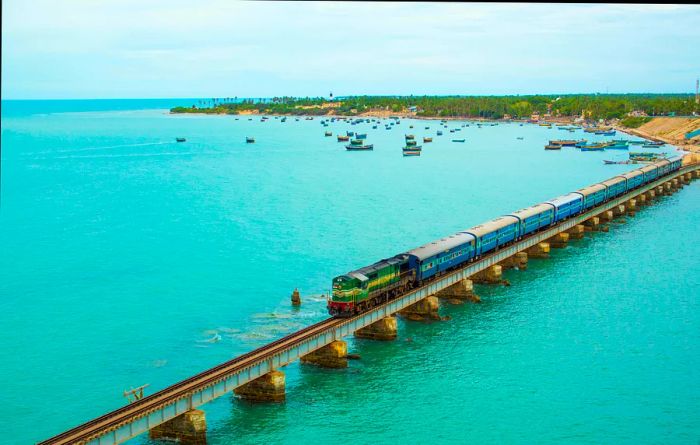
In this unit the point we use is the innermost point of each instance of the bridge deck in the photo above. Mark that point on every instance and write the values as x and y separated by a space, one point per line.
129 421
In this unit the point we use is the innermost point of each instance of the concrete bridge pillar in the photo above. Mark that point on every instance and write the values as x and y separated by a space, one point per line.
490 275
642 199
425 309
606 216
517 261
659 190
631 207
540 250
333 355
559 241
667 188
296 298
189 428
592 224
266 388
458 292
618 210
697 173
576 232
384 329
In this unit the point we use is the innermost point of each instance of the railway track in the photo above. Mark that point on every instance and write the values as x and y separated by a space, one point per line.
114 419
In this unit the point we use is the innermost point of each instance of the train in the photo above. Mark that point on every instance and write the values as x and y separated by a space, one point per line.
362 289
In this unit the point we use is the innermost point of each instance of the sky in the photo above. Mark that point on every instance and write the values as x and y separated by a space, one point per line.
82 49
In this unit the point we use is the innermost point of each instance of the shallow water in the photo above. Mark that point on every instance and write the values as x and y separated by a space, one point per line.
128 259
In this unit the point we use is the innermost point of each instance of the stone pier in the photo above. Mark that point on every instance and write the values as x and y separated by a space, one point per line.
333 355
618 210
642 199
697 174
659 190
517 261
631 207
266 388
592 224
490 275
189 428
606 216
576 232
667 188
425 309
384 329
296 298
458 292
559 241
540 250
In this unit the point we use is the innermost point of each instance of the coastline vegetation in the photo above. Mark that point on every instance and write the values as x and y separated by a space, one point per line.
635 121
590 106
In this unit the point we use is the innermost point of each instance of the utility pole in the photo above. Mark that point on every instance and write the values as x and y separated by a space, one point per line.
697 91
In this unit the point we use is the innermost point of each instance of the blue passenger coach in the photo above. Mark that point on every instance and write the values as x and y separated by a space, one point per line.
592 195
635 178
566 205
534 218
650 172
436 257
615 186
494 233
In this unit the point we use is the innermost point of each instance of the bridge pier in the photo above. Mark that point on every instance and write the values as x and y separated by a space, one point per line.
642 199
266 388
576 232
540 250
296 298
631 207
667 188
606 216
559 241
517 261
490 275
592 224
618 210
697 173
189 428
333 355
384 329
460 291
425 309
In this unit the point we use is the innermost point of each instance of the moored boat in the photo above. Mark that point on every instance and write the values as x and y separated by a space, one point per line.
410 137
361 136
180 139
353 147
249 140
458 140
342 138
552 147
426 139
439 133
412 148
329 133
411 152
411 143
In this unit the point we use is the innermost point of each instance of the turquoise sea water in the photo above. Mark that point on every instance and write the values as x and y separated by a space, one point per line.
125 255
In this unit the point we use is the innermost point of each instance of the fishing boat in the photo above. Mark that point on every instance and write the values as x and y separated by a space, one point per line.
552 147
249 140
411 152
353 147
356 142
342 138
425 139
606 133
411 143
439 133
520 138
458 140
594 147
284 119
410 126
350 133
564 142
412 148
618 146
654 144
361 136
427 128
374 127
329 133
180 139
636 142
410 137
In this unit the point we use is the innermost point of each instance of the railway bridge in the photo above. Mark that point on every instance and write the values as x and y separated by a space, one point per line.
172 412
